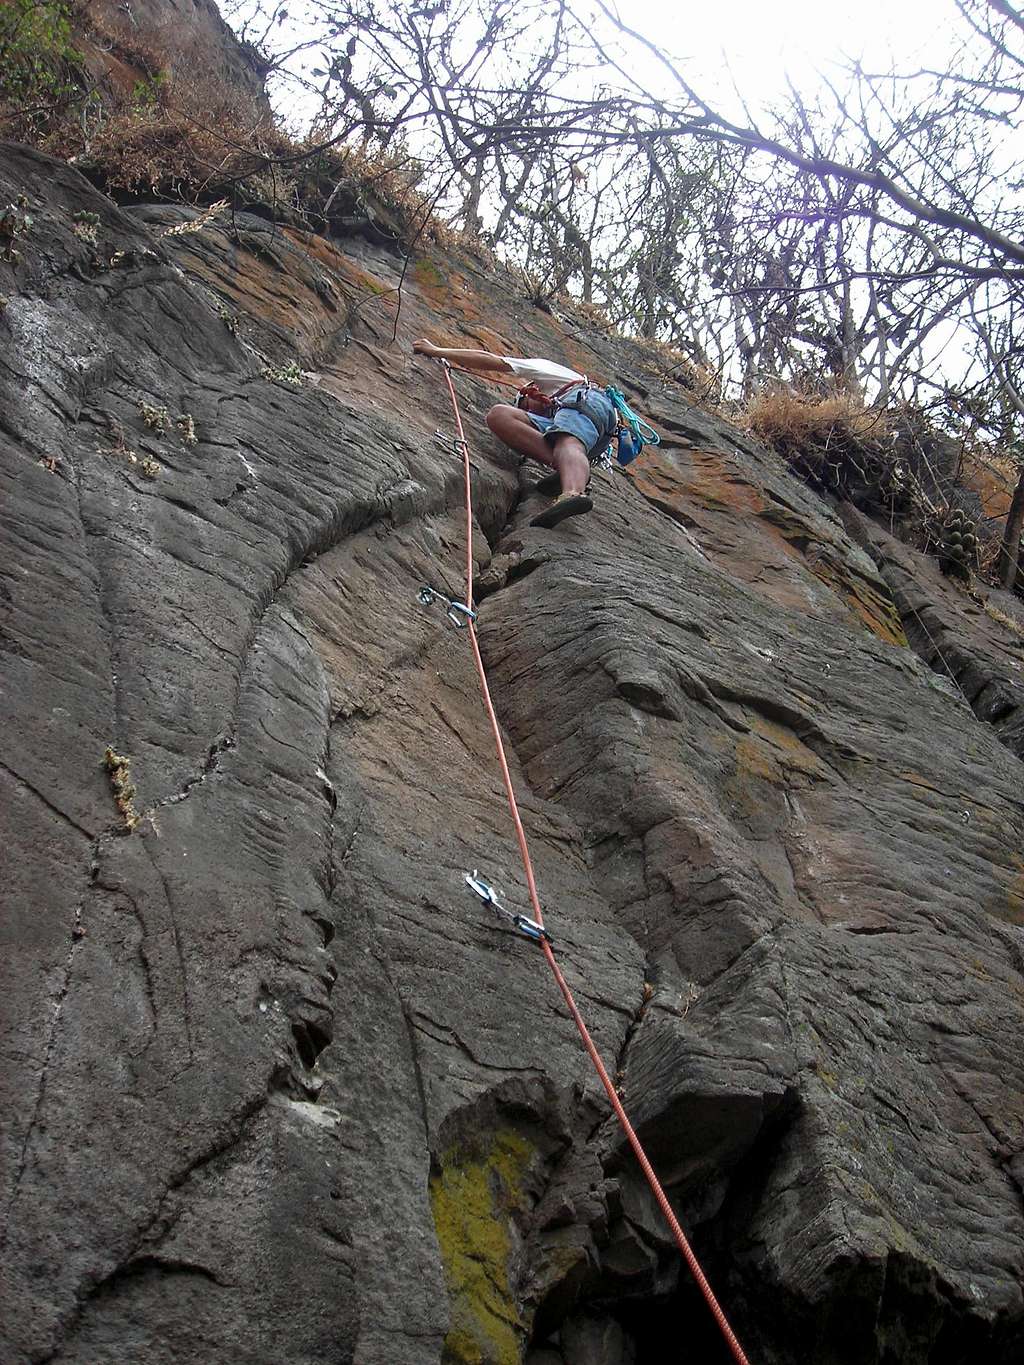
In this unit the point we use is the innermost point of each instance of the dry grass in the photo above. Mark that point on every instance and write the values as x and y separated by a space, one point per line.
183 134
790 421
1001 618
837 443
141 112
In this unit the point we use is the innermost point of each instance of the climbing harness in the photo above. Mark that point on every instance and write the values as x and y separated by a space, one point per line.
529 928
533 393
629 434
536 924
576 396
457 612
614 421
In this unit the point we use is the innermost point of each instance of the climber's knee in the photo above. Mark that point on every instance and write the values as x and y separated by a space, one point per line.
503 415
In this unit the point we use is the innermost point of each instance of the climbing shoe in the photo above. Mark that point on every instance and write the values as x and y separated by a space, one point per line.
550 483
568 505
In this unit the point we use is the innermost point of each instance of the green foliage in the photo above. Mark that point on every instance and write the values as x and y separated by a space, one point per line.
86 226
288 373
149 90
36 55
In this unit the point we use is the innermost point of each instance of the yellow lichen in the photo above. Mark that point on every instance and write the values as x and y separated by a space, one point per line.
118 766
427 275
472 1198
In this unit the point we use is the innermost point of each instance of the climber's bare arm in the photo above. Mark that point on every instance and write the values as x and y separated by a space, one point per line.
471 360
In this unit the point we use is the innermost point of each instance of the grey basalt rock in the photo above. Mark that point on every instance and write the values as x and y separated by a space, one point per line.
277 1086
819 851
975 641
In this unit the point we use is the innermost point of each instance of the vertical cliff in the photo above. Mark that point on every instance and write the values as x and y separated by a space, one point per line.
276 1087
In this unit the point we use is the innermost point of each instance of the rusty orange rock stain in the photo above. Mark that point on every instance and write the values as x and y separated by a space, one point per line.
775 754
993 485
916 780
445 291
329 255
875 611
490 341
710 481
871 608
715 481
704 480
754 759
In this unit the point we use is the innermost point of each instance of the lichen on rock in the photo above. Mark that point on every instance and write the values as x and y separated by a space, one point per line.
475 1196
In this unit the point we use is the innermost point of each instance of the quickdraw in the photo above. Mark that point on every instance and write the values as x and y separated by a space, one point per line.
454 445
457 612
529 928
621 427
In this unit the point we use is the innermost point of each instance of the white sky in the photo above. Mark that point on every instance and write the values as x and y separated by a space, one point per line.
761 41
757 43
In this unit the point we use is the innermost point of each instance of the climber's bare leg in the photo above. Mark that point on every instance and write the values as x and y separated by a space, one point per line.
572 464
566 454
513 426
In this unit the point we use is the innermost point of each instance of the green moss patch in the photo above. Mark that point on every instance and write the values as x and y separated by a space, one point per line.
473 1197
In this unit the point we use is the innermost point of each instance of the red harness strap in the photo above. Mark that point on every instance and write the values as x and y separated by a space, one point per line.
533 393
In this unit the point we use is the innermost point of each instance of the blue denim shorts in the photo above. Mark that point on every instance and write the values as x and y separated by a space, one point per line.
572 422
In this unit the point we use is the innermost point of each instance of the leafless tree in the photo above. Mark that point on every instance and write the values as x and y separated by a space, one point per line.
850 239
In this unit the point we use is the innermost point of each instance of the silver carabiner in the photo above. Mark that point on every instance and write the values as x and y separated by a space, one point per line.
457 612
483 889
529 928
454 445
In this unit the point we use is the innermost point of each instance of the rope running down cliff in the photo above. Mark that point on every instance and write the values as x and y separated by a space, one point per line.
513 805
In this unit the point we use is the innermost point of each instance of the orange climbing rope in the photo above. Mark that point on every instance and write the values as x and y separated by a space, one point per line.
563 986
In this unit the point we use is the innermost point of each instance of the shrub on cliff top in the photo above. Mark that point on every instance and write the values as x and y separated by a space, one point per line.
792 422
141 113
138 109
37 58
174 134
835 442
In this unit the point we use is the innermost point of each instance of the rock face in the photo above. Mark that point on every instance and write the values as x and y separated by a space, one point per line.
275 1086
120 44
976 642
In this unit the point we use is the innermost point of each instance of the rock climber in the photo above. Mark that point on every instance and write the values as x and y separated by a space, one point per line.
561 420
